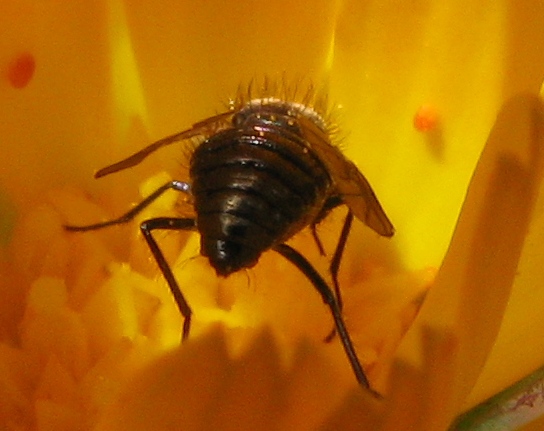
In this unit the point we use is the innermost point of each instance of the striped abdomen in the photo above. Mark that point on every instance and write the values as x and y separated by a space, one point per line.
254 185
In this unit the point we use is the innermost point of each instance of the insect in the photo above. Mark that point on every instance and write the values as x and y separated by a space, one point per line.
262 172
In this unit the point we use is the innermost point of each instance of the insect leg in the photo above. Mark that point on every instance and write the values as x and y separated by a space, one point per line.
317 240
335 264
337 256
169 223
331 203
327 294
179 186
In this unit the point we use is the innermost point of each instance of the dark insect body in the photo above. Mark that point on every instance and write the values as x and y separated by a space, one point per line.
263 172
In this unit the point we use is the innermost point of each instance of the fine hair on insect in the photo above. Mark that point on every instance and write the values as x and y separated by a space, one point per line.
259 172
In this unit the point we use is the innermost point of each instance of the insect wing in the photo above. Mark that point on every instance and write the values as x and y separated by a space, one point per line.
361 199
203 128
350 183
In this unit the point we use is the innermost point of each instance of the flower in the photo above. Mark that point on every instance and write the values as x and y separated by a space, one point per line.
89 332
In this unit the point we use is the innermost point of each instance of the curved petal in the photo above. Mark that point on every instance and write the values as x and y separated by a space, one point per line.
474 284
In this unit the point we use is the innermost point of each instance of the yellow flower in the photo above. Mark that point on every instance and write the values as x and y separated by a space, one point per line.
89 335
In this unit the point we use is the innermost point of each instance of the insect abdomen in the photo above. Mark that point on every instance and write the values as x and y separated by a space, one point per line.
254 186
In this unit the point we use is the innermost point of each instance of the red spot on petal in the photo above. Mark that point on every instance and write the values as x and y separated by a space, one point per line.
21 70
426 118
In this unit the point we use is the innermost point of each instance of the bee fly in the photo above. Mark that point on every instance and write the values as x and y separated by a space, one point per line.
262 172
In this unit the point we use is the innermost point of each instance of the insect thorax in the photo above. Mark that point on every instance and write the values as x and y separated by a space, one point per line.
257 183
291 110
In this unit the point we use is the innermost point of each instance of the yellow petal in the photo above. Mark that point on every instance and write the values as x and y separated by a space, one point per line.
201 387
474 283
462 58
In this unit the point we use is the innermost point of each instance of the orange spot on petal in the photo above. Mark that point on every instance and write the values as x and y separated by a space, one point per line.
21 70
426 118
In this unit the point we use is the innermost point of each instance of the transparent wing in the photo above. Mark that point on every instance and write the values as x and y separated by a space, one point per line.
350 183
203 128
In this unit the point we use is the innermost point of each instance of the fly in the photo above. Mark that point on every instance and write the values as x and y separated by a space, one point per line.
263 172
